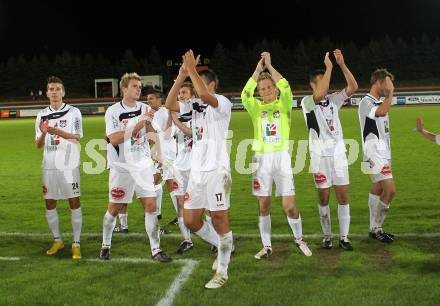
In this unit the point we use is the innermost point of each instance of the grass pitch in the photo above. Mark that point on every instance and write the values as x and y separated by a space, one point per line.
404 273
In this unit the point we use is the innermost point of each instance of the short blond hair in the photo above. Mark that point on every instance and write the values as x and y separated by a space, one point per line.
265 76
126 78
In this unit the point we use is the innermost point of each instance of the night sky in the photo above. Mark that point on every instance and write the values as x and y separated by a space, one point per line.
83 26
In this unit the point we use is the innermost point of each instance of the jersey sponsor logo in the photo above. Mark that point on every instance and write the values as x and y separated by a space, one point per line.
386 170
320 178
117 193
44 189
54 140
257 185
199 133
63 123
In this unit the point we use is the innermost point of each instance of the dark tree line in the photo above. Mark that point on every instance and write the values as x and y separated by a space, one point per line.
414 62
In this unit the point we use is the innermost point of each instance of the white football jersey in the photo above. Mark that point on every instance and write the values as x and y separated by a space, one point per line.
325 130
134 153
168 145
375 131
60 153
210 130
184 143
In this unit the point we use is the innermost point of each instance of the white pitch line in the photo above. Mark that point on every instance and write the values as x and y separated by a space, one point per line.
173 290
10 258
175 287
237 235
135 260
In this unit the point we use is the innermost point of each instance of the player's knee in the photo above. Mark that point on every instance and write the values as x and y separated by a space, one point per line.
390 193
342 198
192 225
323 196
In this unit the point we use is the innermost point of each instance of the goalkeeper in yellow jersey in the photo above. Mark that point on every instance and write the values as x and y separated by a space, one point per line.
272 162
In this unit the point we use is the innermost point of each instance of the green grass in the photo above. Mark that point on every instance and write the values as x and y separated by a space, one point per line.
404 273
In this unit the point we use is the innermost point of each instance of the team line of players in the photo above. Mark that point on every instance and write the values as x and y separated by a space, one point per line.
190 153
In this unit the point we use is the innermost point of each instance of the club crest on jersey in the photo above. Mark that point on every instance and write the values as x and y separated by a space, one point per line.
125 122
63 123
276 114
117 193
44 189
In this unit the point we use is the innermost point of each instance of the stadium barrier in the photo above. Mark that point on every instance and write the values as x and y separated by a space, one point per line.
26 109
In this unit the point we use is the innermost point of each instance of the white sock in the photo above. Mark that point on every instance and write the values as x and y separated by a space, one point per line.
224 252
209 220
76 219
174 200
344 220
373 200
324 218
381 213
108 225
123 218
208 233
183 229
52 220
296 226
159 192
265 226
152 229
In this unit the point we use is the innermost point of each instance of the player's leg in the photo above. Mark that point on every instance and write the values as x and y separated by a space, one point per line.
123 219
146 193
384 189
108 224
373 201
50 191
152 228
218 190
389 191
341 181
121 189
76 220
323 183
324 216
194 207
262 181
69 188
285 188
265 226
180 183
171 190
343 216
53 222
295 223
